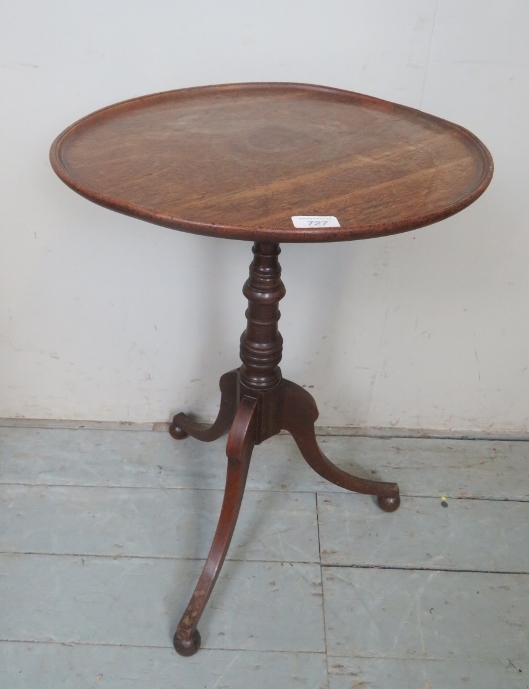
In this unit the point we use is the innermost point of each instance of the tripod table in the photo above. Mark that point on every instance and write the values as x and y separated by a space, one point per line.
269 163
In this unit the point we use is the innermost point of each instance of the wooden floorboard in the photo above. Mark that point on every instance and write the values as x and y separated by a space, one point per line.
155 522
425 533
146 459
74 666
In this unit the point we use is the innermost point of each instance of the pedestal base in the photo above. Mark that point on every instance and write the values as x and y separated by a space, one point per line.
251 418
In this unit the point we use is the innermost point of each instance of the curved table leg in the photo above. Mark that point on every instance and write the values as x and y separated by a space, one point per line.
298 414
182 426
239 448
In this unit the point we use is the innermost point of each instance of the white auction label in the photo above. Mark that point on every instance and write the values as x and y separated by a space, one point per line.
315 221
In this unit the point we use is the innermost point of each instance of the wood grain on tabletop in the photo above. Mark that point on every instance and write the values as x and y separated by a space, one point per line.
240 160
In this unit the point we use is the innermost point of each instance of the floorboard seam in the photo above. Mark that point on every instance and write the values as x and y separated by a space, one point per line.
362 656
322 590
286 562
251 490
169 647
152 487
153 557
466 497
425 569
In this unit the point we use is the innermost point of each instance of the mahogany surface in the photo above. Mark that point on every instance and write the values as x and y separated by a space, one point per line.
240 160
239 448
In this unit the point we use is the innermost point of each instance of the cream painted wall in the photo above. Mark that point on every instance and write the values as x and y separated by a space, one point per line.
104 317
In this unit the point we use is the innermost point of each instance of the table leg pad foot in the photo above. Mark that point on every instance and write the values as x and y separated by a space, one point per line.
176 432
388 503
182 425
187 648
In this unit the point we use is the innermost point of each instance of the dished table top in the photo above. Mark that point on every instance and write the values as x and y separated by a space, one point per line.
239 160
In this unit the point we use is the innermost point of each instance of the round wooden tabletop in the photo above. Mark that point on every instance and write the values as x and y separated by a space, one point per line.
241 160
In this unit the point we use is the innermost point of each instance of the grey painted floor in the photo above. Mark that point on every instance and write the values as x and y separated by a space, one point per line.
103 534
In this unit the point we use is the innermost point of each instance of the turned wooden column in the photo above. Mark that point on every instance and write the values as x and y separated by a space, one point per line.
261 342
